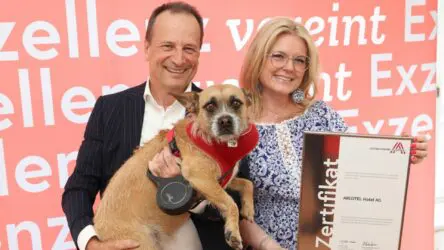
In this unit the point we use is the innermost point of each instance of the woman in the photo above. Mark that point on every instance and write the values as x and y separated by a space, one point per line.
280 67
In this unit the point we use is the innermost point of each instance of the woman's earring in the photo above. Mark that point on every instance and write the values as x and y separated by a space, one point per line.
298 96
259 87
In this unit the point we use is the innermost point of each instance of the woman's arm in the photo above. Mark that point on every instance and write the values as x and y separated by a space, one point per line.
253 235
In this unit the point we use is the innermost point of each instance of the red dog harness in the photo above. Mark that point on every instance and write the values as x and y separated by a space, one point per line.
225 155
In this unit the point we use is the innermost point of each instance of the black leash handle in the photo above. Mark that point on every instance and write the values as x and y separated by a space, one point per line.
175 195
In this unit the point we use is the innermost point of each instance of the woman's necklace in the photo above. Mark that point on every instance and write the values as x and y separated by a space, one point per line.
273 116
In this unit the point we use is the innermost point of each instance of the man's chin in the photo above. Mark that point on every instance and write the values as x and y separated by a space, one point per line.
177 77
172 75
176 82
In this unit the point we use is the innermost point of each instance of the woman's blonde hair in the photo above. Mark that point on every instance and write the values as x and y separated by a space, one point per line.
257 55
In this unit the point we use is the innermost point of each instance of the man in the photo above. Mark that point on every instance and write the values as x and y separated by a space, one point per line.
121 122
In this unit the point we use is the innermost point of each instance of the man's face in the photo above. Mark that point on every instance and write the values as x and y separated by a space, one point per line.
174 50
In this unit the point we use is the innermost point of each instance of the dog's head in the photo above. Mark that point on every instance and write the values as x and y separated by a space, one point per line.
221 111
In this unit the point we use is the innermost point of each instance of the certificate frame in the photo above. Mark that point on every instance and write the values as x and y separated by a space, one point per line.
348 206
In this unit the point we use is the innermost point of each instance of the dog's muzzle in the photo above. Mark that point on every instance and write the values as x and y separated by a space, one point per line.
225 125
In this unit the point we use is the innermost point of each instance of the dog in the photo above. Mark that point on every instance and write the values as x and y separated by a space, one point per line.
128 209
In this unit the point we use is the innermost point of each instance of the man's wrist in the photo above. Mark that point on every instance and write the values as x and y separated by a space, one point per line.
92 243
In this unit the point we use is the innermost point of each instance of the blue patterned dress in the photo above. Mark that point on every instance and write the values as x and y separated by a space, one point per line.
274 166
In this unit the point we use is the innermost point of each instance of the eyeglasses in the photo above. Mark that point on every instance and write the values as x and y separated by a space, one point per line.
279 60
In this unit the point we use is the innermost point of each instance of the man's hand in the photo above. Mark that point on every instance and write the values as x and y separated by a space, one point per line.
164 164
94 243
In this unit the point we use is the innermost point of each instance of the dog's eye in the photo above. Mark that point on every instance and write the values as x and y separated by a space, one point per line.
210 107
236 104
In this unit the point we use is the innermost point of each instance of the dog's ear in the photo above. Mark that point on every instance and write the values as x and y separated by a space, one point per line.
248 96
190 100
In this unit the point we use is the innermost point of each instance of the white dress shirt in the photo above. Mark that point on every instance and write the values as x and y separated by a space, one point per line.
156 118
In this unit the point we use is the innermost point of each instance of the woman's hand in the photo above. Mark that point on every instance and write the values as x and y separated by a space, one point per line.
419 148
254 236
269 244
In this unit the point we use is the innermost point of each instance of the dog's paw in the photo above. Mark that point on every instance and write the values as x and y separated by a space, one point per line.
234 240
247 212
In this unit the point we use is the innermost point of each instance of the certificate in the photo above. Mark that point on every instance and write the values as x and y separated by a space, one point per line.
353 191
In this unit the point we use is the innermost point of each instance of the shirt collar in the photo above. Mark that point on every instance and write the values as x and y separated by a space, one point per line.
147 93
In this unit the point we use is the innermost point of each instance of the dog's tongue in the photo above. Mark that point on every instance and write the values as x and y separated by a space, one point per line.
226 155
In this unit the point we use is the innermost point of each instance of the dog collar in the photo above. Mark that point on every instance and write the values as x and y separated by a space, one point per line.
226 154
172 143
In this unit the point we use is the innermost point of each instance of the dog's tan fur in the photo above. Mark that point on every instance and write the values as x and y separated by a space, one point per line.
128 209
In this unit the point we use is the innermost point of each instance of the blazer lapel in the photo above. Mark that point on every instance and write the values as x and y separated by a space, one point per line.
133 111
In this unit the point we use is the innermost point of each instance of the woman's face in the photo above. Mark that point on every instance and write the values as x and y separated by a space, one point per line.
285 65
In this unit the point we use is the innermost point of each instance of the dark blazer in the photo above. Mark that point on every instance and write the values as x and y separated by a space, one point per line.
112 133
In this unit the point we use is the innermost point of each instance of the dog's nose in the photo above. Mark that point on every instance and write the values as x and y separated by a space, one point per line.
225 121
